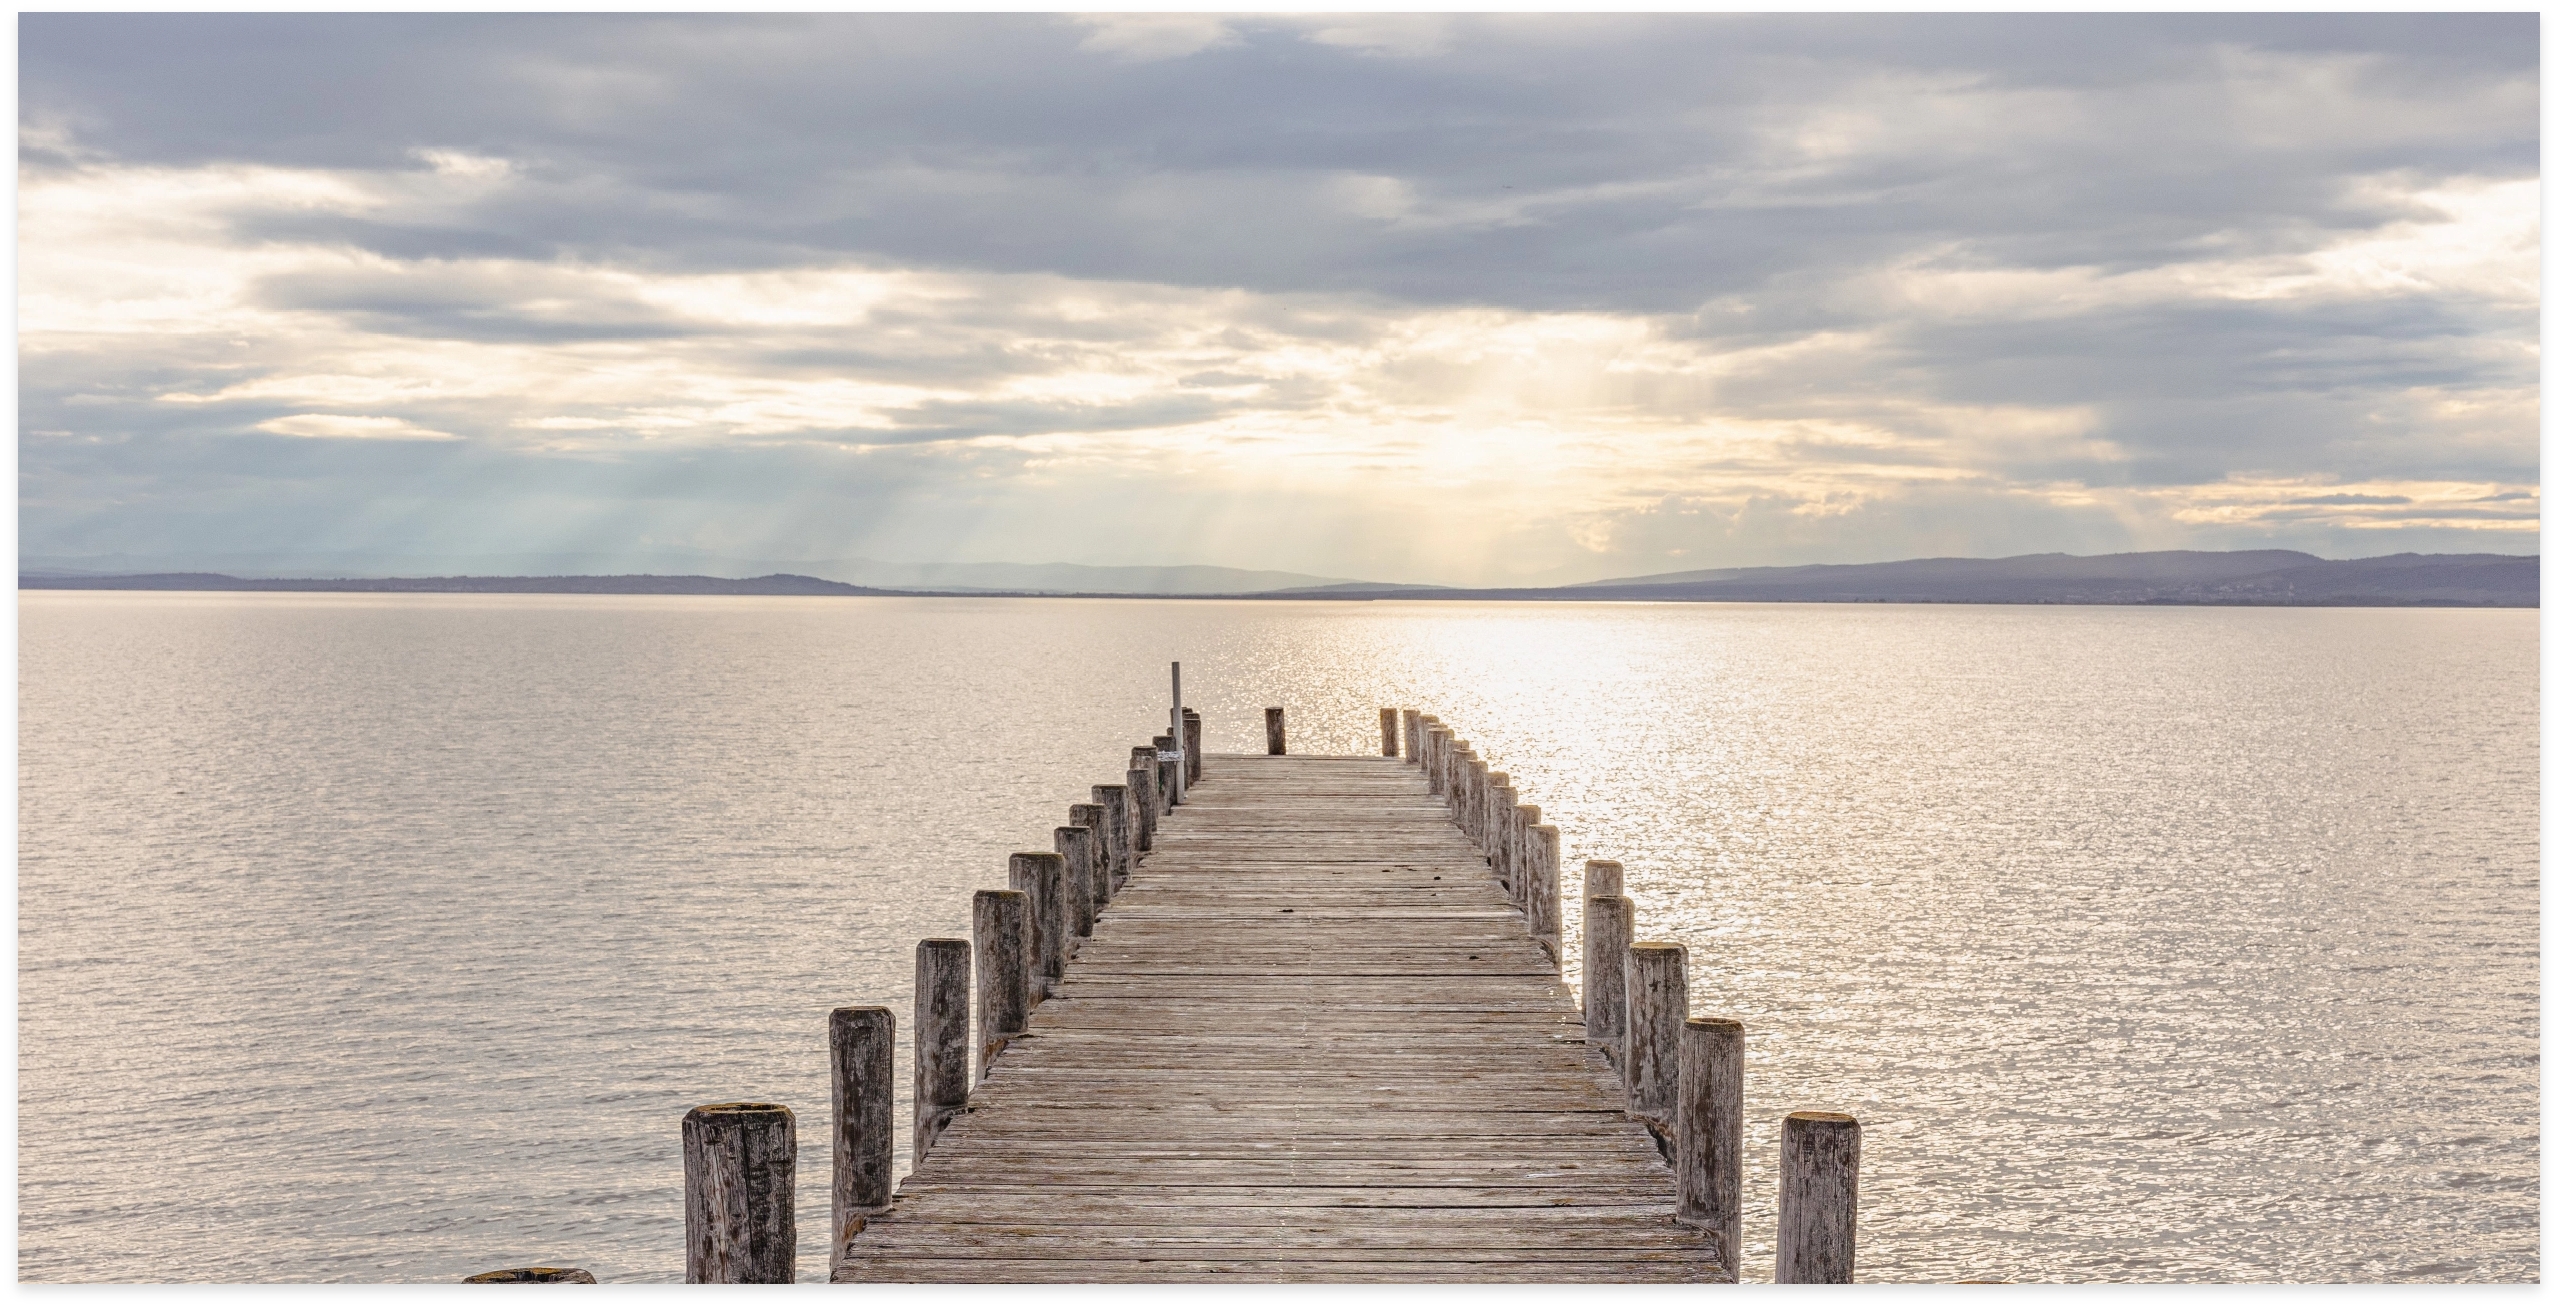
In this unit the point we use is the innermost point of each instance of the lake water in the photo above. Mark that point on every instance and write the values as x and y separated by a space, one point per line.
388 938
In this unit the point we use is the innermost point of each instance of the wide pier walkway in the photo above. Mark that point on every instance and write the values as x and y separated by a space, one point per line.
1309 1040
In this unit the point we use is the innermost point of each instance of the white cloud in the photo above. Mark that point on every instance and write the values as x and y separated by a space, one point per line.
339 426
1143 38
1401 35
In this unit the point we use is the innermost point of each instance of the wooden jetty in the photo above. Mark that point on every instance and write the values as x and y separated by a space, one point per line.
1284 1017
1309 1040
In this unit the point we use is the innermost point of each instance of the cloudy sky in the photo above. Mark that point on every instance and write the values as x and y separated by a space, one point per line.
1458 299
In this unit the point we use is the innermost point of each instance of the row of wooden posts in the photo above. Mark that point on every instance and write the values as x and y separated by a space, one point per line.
1682 1074
741 1159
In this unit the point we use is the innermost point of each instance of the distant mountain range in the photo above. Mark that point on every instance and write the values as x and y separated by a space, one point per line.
1003 578
634 584
2158 577
2245 577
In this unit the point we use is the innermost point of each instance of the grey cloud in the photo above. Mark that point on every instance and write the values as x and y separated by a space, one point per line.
994 143
1668 165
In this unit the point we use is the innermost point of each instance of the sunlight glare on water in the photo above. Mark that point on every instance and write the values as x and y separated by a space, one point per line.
399 931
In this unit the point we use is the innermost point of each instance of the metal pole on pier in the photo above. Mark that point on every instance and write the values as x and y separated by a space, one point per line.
1180 738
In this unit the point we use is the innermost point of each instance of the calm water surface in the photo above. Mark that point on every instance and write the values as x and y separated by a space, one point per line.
388 938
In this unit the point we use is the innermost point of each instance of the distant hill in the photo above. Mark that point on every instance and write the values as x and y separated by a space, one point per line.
776 584
2175 566
2259 577
1007 578
1070 578
2250 577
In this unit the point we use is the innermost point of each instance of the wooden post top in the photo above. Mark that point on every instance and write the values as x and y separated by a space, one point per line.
533 1276
745 1114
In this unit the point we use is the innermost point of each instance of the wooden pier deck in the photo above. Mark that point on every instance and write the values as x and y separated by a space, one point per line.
1309 1039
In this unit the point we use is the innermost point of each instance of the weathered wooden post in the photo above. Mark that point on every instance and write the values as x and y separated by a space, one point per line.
941 1039
1484 798
1141 805
1709 1134
1460 798
1386 731
1043 878
1523 840
1607 932
1500 800
1165 784
740 1162
1190 732
1459 755
1412 735
1816 1200
1656 1006
1118 839
1463 787
1470 776
862 1042
1478 786
1094 818
1437 765
1545 888
1074 846
1602 876
1146 759
533 1276
1274 725
1001 923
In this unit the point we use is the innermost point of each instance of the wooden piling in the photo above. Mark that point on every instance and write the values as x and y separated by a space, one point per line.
1499 812
1545 888
1412 735
1434 758
1709 1133
1478 792
941 1039
1075 846
1607 932
1141 807
1602 876
1043 878
1118 838
1456 781
1190 747
1528 817
1095 819
1274 726
1656 1007
862 1043
1523 851
1386 731
1816 1199
740 1163
1148 759
1460 754
1164 780
533 1276
1001 923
